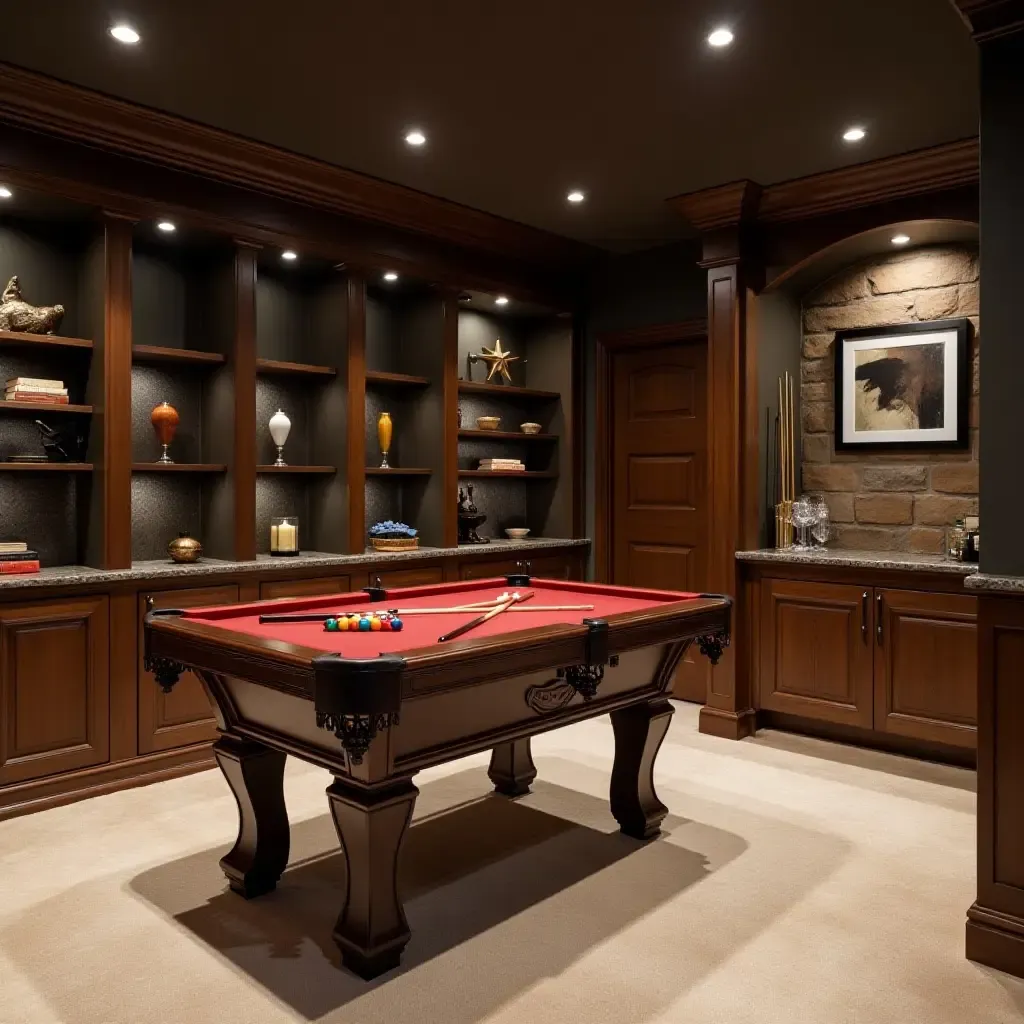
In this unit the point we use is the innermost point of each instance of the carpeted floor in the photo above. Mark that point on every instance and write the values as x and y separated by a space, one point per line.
798 882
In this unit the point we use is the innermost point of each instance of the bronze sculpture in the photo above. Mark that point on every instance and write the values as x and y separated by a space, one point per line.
18 315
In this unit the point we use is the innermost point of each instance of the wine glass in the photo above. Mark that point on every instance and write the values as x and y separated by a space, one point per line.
821 528
805 514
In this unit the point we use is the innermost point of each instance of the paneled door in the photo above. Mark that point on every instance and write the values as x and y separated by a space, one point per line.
659 471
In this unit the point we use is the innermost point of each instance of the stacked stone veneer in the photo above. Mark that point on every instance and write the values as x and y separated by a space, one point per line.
899 502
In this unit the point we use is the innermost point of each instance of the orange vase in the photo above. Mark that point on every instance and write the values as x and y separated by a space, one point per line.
164 418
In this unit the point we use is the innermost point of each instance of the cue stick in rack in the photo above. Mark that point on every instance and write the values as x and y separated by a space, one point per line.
481 619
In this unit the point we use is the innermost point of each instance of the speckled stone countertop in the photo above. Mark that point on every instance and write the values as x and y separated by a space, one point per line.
995 584
852 559
80 575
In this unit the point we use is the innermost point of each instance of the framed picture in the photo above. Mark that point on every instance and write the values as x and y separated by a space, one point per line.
903 388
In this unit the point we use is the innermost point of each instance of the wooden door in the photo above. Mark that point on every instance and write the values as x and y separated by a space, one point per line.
54 687
184 716
817 648
926 666
658 437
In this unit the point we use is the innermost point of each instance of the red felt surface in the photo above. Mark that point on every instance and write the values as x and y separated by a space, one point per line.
423 630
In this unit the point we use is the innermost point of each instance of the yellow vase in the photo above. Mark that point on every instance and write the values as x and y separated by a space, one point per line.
384 429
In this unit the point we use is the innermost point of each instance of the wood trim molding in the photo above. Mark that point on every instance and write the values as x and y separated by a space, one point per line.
988 19
719 207
45 104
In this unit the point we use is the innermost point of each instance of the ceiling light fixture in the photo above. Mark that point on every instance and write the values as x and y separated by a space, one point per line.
5 192
166 226
854 134
415 137
576 196
720 37
125 34
501 300
390 276
900 239
289 255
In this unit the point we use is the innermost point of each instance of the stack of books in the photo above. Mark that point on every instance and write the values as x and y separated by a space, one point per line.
503 465
15 557
36 389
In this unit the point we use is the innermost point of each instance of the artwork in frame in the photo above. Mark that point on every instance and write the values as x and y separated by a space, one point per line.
902 388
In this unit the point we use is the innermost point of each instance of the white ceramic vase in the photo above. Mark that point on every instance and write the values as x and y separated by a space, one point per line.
280 427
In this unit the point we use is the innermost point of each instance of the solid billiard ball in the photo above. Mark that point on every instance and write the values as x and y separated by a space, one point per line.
396 624
342 623
375 624
364 625
331 625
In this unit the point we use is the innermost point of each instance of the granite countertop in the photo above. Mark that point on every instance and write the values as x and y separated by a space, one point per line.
82 575
841 557
995 584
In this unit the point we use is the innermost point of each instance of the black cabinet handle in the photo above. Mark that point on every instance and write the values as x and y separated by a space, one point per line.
864 616
878 618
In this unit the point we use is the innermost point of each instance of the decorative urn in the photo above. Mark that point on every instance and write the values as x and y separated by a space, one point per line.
280 427
184 549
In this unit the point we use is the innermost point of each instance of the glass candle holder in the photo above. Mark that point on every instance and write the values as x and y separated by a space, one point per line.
284 535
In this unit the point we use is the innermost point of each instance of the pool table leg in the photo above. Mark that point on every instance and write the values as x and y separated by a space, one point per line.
512 769
255 774
372 930
639 731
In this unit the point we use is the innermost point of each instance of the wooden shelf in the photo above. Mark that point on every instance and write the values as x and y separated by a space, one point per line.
468 387
47 407
525 474
177 467
276 366
159 354
397 471
296 469
46 467
19 338
395 380
504 435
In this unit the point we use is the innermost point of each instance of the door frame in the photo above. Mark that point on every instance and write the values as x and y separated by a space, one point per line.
607 346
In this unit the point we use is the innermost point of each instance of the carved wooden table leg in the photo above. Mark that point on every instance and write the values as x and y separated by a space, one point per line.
512 769
255 774
372 930
639 731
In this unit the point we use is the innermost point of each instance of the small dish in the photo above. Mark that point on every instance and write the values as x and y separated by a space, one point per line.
516 532
488 422
530 428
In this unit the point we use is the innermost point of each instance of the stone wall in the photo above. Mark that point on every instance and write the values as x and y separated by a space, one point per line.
899 502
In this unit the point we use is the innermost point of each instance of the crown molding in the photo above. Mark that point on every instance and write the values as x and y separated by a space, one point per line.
719 207
57 108
988 19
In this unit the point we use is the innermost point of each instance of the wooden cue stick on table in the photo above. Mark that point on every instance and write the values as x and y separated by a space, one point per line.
481 619
285 617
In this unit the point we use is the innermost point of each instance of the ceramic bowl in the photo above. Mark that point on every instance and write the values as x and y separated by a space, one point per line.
516 532
488 422
530 428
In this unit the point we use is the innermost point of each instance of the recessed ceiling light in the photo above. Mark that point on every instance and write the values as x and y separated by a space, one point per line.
854 134
390 276
576 196
5 192
720 37
166 225
501 300
289 254
415 137
900 239
125 34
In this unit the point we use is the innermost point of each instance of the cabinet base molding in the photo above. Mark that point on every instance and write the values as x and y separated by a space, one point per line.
67 787
995 939
727 725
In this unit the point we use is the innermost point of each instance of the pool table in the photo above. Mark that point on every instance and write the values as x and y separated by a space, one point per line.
375 707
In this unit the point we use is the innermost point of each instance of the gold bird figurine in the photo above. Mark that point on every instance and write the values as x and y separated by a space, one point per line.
498 361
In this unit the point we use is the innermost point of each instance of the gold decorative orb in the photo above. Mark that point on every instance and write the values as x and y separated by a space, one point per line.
184 549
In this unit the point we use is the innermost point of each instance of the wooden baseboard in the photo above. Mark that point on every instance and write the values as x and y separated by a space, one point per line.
40 794
727 725
995 940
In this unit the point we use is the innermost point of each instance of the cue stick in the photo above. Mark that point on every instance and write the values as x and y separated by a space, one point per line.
481 619
475 608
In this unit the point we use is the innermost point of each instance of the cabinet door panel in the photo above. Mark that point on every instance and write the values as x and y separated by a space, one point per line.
552 567
816 651
185 715
54 687
272 589
486 570
926 666
407 577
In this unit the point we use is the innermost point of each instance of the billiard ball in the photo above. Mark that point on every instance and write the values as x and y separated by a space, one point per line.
330 625
342 623
396 624
375 624
364 625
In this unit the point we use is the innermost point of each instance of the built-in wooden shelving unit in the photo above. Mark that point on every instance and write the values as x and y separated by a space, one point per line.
395 380
469 387
177 467
46 467
21 340
297 469
164 354
397 471
47 407
283 368
518 474
503 435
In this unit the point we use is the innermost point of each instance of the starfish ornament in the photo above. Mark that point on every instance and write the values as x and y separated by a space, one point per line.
498 361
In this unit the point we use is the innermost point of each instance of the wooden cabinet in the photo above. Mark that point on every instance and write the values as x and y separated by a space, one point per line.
816 651
407 577
926 658
554 567
271 589
184 716
54 687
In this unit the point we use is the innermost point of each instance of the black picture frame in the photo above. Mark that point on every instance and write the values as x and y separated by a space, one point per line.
961 401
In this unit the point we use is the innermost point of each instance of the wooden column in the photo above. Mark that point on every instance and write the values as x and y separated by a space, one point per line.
243 359
721 214
356 379
450 335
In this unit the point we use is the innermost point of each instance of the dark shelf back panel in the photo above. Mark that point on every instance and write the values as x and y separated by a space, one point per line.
540 457
400 499
163 505
46 511
282 495
152 385
297 399
505 502
300 315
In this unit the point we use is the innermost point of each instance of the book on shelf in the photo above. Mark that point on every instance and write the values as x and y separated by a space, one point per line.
31 389
503 468
32 396
19 556
19 568
33 382
7 546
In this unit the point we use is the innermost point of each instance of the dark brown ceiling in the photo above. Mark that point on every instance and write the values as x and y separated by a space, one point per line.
522 100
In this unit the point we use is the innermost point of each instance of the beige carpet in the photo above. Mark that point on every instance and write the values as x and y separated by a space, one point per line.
798 882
